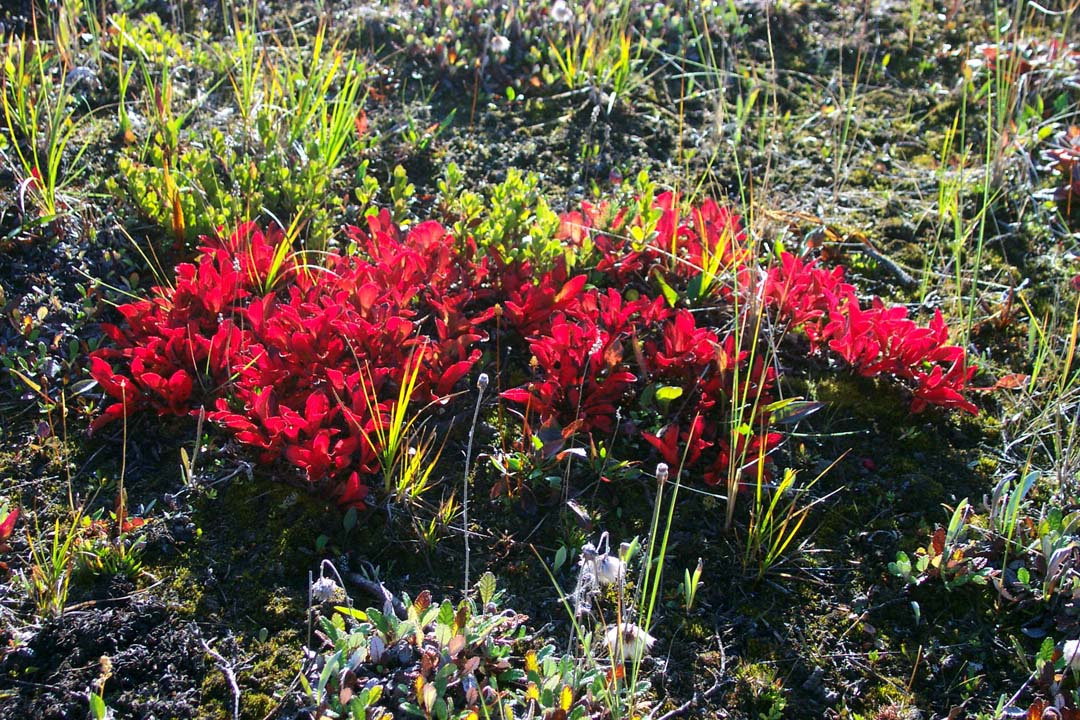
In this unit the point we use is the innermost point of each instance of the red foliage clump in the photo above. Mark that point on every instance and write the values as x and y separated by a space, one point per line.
284 357
879 340
287 353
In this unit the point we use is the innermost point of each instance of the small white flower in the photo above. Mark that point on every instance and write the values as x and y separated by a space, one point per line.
627 641
610 569
323 589
561 12
1071 654
500 45
482 381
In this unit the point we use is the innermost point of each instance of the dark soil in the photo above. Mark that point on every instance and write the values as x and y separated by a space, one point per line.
157 662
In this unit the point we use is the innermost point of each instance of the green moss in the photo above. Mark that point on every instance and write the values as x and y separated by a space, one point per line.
283 606
925 162
184 591
986 467
697 631
214 690
888 693
276 661
758 691
862 397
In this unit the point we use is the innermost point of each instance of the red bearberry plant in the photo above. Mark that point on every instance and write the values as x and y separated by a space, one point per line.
324 366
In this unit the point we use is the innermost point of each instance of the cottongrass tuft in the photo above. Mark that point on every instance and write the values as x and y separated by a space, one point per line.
597 568
561 12
1071 654
323 589
628 641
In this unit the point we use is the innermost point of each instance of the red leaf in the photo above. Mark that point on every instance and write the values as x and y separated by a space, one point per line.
519 395
8 524
937 541
571 289
132 524
666 443
352 492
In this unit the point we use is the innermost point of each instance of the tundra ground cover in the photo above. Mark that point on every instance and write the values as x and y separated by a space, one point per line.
782 310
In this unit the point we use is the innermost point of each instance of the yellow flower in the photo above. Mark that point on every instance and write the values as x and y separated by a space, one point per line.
530 662
566 698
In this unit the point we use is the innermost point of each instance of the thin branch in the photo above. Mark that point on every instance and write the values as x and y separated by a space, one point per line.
227 670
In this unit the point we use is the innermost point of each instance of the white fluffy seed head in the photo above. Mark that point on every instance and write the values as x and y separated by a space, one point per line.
661 473
561 12
610 570
323 589
627 641
482 381
1071 654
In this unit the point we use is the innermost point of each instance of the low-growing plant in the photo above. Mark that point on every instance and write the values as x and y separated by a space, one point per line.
1063 162
301 110
691 584
401 193
442 661
183 195
53 555
1032 562
8 517
418 139
391 437
154 41
777 514
1005 506
952 555
297 357
601 54
530 461
96 695
762 692
613 638
246 58
438 522
880 340
519 223
43 130
110 544
124 74
245 352
610 648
